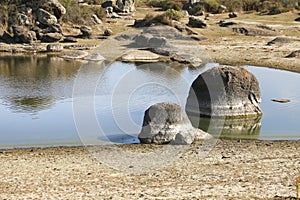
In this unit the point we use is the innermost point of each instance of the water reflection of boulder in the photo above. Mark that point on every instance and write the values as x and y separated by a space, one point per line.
161 67
29 104
242 128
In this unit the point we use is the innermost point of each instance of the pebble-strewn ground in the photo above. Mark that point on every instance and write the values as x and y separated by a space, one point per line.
232 170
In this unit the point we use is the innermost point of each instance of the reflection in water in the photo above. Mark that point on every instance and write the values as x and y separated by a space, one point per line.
248 128
29 104
33 83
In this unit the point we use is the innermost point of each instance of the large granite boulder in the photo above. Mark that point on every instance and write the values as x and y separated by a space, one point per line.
45 17
167 123
225 91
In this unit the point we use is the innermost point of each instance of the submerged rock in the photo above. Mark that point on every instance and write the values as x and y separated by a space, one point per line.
167 123
225 91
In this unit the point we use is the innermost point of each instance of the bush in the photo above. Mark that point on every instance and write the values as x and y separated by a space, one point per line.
173 14
165 4
277 9
211 6
165 18
78 14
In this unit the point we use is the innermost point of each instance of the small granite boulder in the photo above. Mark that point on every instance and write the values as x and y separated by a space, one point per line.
225 91
54 47
167 123
108 32
196 23
86 31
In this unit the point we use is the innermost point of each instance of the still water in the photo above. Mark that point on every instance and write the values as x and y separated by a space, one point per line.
40 106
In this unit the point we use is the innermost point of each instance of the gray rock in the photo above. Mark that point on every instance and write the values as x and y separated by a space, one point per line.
51 37
5 37
187 59
157 42
86 31
69 40
196 23
58 9
108 32
23 20
280 40
225 91
54 48
22 35
255 30
74 55
294 54
139 56
232 15
94 57
80 46
167 123
126 6
96 20
142 40
53 28
45 17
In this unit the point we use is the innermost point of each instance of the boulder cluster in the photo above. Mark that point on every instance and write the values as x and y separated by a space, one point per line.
35 20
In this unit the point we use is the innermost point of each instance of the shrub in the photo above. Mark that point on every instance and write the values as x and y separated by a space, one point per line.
165 4
80 14
277 9
173 14
211 6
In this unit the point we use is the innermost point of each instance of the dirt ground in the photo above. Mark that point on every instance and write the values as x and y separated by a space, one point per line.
232 169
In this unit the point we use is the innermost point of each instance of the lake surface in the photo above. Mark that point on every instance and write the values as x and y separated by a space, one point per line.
47 101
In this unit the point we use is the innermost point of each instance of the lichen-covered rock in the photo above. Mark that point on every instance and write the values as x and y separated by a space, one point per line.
225 91
167 123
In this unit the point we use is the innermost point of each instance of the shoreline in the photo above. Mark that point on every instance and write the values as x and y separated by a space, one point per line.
233 169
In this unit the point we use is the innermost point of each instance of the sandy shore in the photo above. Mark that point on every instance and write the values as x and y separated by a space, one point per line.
232 170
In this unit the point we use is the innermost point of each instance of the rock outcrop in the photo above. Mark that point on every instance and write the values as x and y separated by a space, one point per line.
167 123
225 91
